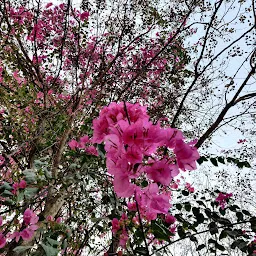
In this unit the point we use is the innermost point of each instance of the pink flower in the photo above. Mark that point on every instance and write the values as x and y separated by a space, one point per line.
83 140
169 219
122 185
132 206
2 160
84 16
173 229
1 221
2 241
22 184
190 188
59 220
49 218
40 95
123 238
15 235
48 5
91 150
115 225
222 198
186 155
162 172
29 217
73 144
27 234
134 154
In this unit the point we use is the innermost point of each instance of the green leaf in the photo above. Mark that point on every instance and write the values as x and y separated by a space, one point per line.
201 203
7 193
200 247
213 228
20 196
193 239
240 216
49 250
160 231
246 212
6 185
185 192
101 150
30 176
39 164
233 208
222 211
221 160
30 192
220 247
187 207
181 232
253 223
232 233
141 251
223 221
52 242
200 218
214 161
20 249
208 212
202 159
223 234
195 210
211 241
178 206
237 243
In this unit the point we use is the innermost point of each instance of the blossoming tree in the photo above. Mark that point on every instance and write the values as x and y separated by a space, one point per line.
92 136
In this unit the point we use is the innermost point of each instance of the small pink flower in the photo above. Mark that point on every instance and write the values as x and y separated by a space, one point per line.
221 199
2 241
1 221
29 217
73 144
48 5
22 184
92 151
84 16
132 206
15 235
190 188
27 234
123 239
173 229
115 225
2 160
59 220
169 219
40 95
83 140
49 218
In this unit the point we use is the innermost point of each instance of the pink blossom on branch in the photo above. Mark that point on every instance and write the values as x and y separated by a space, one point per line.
222 199
2 241
29 217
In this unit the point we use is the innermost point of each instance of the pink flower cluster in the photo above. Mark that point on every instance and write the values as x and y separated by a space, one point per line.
29 220
119 226
84 143
222 199
135 152
2 238
18 185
